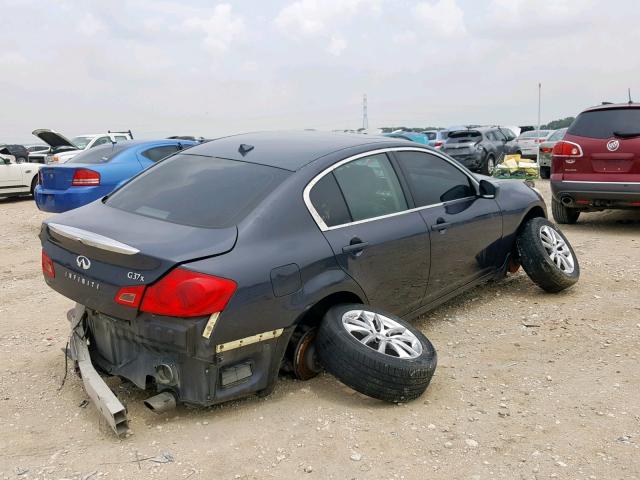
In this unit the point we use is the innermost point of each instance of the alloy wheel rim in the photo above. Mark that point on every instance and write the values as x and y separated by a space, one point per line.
557 249
491 165
382 334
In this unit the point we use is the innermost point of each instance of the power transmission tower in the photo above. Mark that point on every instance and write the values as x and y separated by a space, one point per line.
365 118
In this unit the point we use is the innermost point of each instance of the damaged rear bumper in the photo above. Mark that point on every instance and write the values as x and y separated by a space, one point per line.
103 398
170 356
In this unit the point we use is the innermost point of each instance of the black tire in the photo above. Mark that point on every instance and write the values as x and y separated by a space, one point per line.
537 262
484 168
34 182
21 160
378 375
563 215
545 172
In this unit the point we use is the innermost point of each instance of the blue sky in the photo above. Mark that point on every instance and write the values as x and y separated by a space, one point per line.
213 68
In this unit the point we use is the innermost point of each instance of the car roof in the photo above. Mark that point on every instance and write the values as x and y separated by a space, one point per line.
612 106
287 150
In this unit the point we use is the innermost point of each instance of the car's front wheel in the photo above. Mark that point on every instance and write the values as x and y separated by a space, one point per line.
375 353
547 256
563 215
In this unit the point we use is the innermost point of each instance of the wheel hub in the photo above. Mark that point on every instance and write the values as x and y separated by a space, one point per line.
382 334
557 249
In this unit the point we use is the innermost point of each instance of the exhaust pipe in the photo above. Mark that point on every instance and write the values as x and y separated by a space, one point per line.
566 201
161 403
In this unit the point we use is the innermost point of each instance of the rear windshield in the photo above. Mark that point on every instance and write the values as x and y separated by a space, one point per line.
535 134
557 135
102 154
606 123
198 191
464 136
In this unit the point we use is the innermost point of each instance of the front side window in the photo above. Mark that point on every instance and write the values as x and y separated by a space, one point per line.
370 187
433 180
101 141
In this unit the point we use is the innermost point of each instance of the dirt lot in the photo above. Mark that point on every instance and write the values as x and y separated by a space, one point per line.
529 385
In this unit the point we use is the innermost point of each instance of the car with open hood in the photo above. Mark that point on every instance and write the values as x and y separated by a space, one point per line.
207 273
63 149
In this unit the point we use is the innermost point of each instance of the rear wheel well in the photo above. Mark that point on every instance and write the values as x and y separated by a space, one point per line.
313 316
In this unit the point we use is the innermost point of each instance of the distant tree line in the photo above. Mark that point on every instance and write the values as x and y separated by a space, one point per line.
556 124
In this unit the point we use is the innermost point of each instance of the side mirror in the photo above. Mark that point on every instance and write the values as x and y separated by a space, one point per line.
488 189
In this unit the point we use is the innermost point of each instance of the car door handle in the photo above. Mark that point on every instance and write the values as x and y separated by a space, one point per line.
355 247
440 225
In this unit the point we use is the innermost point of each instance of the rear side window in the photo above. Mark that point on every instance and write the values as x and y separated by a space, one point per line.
606 123
97 155
198 191
328 201
430 135
433 180
370 187
158 153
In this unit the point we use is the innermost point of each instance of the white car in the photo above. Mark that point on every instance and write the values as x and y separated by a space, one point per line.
530 142
17 178
63 149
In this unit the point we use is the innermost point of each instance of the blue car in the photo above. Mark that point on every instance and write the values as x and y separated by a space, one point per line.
98 171
411 136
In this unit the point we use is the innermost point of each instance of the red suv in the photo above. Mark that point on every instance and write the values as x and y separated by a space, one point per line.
597 164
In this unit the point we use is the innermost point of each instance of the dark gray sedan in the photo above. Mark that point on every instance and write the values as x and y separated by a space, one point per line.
203 277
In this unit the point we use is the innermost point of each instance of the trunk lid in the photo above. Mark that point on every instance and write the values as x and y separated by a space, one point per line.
56 178
96 250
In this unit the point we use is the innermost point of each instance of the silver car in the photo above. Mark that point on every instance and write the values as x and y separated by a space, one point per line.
530 142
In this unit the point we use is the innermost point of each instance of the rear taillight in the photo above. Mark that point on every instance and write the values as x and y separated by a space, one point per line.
183 293
438 144
545 149
567 149
83 177
130 296
47 266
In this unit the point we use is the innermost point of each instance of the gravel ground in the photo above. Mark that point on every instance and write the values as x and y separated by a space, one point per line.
529 385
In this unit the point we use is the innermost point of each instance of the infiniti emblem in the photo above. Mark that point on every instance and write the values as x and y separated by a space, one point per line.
83 262
612 145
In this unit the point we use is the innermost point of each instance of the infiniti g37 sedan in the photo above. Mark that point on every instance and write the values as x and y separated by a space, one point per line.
208 273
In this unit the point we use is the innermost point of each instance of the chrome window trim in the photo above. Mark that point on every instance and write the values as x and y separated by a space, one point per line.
323 226
92 239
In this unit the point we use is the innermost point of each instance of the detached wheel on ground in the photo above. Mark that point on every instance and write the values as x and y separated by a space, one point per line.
562 214
547 256
375 353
